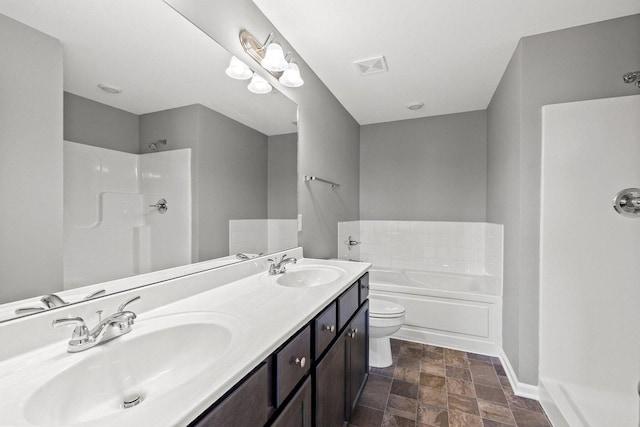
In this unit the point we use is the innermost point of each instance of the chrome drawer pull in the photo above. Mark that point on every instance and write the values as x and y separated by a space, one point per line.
353 333
331 328
301 362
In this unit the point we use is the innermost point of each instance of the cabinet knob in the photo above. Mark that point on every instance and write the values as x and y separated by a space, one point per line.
301 361
352 333
331 328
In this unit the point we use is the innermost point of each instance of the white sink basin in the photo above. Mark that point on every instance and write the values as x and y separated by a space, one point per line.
155 362
309 276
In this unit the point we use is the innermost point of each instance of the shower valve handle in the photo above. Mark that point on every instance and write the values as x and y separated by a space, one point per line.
161 206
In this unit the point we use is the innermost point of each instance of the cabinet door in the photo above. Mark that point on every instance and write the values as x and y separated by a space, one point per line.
298 411
293 362
330 385
358 352
253 393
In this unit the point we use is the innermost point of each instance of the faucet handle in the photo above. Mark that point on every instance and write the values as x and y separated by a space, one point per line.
95 294
53 300
28 310
80 332
127 302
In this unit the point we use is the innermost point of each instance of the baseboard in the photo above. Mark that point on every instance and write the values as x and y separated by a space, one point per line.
448 340
551 400
520 389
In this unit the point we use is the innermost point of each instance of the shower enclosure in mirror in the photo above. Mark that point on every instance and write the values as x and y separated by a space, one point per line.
126 150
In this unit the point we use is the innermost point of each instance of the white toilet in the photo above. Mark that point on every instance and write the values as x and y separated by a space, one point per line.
385 318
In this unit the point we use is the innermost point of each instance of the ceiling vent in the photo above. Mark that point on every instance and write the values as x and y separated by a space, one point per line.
371 66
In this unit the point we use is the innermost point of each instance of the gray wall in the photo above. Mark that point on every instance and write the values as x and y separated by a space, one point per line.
503 178
93 123
328 137
429 169
30 162
232 179
228 170
282 176
579 63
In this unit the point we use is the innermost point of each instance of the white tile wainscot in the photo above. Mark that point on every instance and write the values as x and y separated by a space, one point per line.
447 275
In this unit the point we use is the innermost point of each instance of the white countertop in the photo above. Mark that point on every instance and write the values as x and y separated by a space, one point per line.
267 315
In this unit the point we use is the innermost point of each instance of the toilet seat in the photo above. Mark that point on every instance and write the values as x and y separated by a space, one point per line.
384 309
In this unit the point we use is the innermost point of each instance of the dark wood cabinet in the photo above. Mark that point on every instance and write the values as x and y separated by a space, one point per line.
330 379
357 356
348 303
246 406
314 379
341 374
297 413
364 287
293 362
325 328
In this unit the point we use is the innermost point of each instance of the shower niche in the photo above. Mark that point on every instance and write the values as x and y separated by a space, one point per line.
113 224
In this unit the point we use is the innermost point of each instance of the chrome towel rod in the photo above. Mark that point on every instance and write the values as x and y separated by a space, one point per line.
315 178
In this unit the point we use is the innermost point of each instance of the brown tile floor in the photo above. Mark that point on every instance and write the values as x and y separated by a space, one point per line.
435 386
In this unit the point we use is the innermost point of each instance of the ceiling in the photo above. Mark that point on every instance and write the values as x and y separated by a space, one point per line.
448 54
158 59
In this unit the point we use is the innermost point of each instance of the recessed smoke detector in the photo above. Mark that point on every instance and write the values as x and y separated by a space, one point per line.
109 88
415 106
371 65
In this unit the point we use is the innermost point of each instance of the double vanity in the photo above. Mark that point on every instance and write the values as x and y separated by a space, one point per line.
231 346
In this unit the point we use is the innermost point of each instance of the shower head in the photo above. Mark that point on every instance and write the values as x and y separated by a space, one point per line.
154 146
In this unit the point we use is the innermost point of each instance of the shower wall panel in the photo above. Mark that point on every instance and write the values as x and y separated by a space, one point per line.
589 317
110 231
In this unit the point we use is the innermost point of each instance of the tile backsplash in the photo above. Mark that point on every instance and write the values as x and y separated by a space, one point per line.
455 247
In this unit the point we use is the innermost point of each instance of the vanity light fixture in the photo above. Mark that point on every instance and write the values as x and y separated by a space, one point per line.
291 76
109 88
259 85
238 70
272 58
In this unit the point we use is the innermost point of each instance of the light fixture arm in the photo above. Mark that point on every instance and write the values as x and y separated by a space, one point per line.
283 69
268 41
255 49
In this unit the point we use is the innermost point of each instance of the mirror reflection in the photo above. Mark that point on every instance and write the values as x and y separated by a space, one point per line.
151 157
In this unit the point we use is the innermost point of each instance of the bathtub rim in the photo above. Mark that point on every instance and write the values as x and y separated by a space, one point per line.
413 287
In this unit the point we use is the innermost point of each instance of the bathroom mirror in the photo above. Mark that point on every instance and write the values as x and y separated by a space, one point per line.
163 160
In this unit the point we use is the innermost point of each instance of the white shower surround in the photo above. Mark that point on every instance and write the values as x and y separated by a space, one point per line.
110 231
447 275
589 294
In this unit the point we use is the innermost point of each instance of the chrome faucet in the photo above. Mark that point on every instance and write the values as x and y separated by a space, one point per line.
112 327
245 257
52 301
278 267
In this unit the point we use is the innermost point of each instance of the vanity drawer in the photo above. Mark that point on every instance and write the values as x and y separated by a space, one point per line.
364 287
325 328
232 411
348 303
292 363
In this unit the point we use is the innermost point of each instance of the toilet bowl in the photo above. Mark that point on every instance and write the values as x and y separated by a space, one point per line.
385 318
